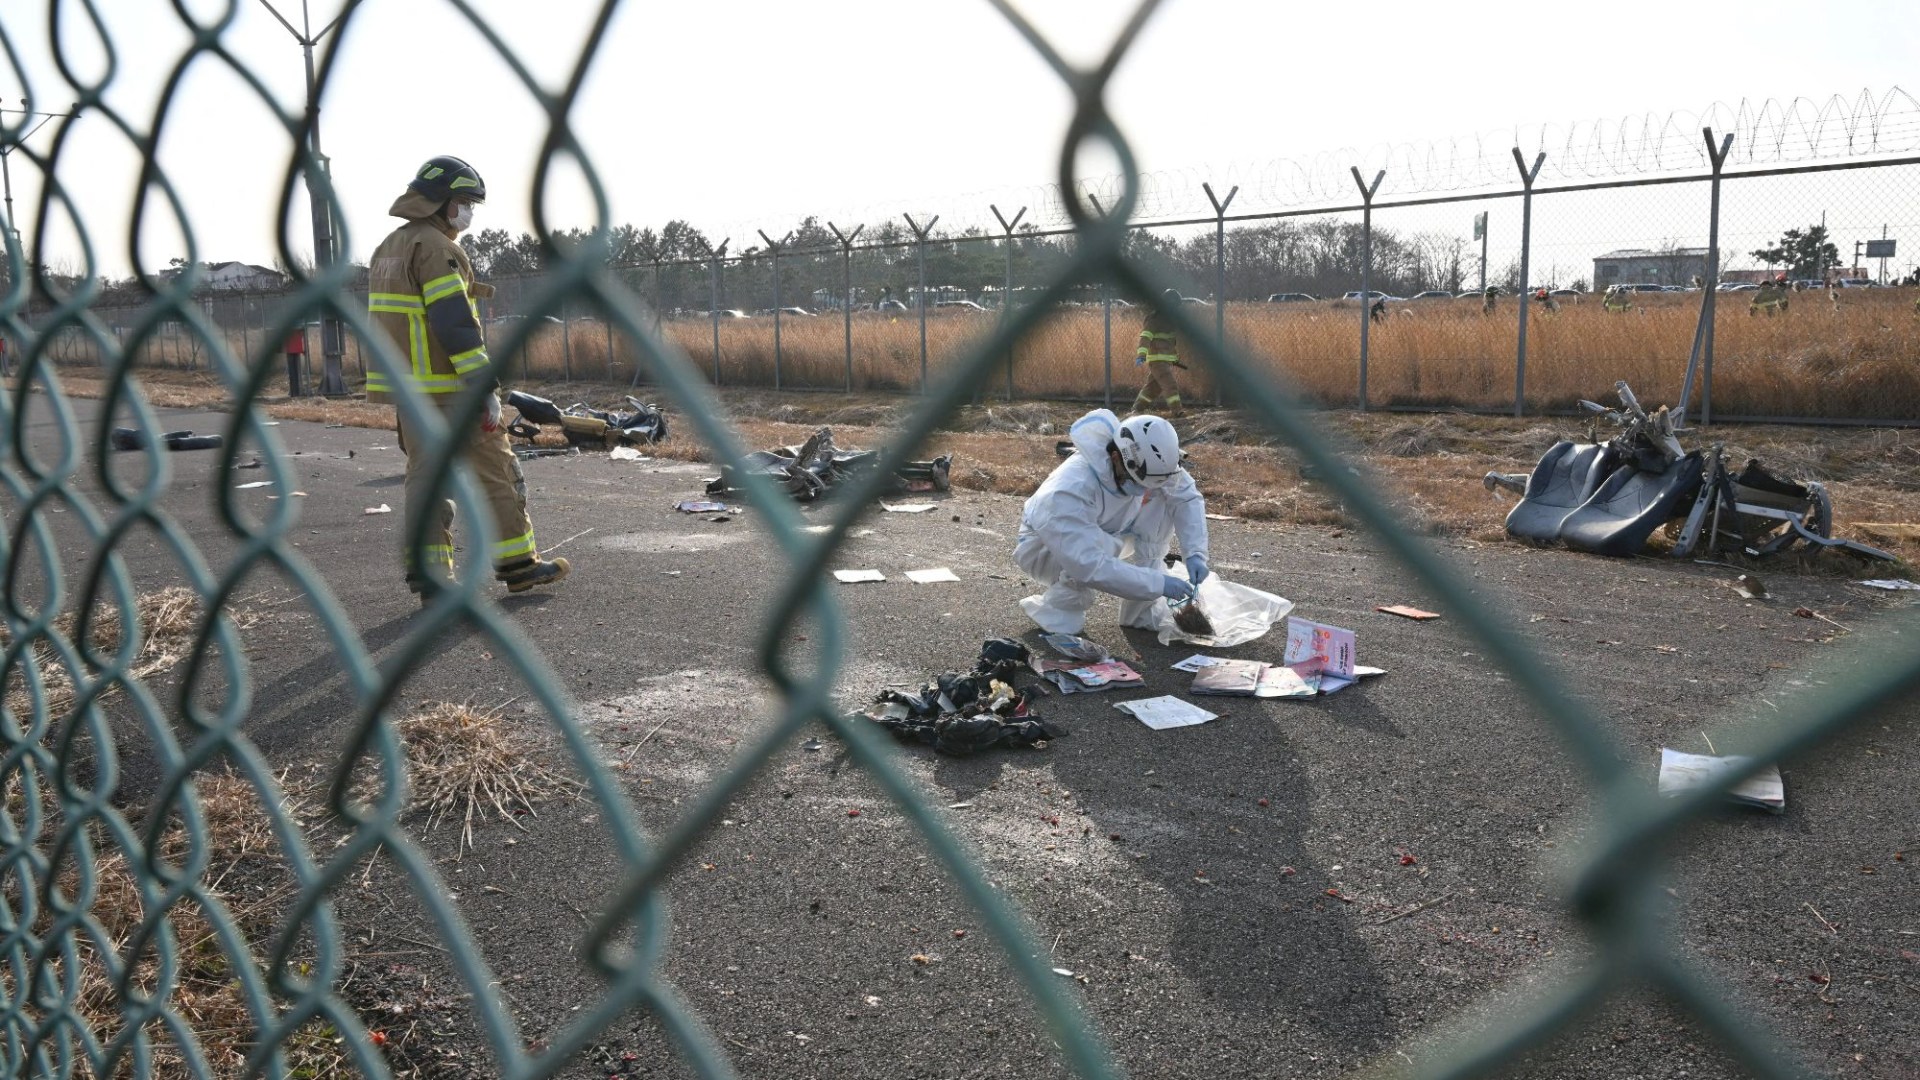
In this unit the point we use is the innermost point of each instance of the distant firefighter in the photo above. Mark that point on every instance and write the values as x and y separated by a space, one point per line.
1378 312
1618 298
1771 296
1487 297
1545 300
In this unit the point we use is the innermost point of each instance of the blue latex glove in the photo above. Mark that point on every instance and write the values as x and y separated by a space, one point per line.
1197 571
1176 589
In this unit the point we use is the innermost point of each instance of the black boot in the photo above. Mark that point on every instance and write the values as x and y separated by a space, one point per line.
525 575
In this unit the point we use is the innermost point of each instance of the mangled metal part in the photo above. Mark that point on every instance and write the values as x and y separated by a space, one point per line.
586 427
810 470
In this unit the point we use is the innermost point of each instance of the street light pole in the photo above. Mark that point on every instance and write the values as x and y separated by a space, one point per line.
333 381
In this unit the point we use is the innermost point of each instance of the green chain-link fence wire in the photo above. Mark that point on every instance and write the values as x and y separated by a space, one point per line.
59 768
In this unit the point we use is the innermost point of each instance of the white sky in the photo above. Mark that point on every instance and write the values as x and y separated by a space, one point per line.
745 114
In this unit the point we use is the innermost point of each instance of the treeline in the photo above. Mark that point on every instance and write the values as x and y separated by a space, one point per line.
672 266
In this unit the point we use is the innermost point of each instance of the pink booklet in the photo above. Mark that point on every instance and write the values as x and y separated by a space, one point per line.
1318 649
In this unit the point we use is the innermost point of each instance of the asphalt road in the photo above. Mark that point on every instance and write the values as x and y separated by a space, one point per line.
1182 877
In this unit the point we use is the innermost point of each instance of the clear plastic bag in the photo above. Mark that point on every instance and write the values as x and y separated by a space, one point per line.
1239 614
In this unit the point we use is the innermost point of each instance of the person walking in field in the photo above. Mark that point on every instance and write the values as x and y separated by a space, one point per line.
1159 352
421 293
1487 297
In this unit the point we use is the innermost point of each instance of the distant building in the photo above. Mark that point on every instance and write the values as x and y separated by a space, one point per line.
1645 266
238 276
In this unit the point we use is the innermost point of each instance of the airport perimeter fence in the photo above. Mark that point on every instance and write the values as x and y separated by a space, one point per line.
107 913
850 318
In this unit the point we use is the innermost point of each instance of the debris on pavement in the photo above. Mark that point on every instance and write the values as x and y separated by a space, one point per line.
1316 648
1195 662
253 484
961 715
383 508
1076 648
906 508
852 577
1891 584
1229 678
1406 612
811 469
626 453
584 427
1081 677
1809 613
704 506
934 576
1682 772
124 438
1748 586
1165 713
1191 619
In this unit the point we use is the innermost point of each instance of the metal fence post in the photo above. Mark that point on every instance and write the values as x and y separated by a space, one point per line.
846 290
1106 303
1526 296
1703 333
566 343
1220 268
1366 269
1006 298
657 316
921 234
775 249
713 309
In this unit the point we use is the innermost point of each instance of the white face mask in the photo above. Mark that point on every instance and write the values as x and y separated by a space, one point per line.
460 216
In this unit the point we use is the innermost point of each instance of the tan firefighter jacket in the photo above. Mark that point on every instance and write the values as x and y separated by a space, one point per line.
421 292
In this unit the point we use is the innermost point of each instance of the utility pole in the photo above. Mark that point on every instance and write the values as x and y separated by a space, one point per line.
10 145
333 382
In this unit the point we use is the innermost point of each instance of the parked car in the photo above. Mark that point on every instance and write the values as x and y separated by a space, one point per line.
796 311
725 313
510 319
957 305
1355 294
1736 286
1196 301
1432 294
1853 283
1291 298
1563 292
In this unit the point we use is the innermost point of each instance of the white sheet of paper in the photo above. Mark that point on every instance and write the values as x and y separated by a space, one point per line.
254 484
1195 663
855 576
906 508
930 577
1162 713
1682 772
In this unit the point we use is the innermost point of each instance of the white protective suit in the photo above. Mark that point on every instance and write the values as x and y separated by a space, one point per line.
1081 534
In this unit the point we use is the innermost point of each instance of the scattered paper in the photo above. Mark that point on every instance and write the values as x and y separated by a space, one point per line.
1075 648
1229 678
1162 713
1195 662
254 484
1406 612
1221 517
1681 772
906 508
701 506
1362 671
625 453
1281 681
383 508
1891 584
930 577
1315 648
1081 677
1108 673
1333 684
855 576
291 495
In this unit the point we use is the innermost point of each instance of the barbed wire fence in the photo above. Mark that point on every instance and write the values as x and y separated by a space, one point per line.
62 824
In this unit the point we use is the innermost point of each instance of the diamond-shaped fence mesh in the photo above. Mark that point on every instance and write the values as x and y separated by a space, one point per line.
113 936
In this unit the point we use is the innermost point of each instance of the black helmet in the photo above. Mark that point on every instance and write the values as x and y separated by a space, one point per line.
444 177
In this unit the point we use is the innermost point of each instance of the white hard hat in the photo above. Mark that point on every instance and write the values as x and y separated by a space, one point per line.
1150 449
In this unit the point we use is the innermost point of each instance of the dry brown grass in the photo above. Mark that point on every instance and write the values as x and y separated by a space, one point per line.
166 621
248 878
463 761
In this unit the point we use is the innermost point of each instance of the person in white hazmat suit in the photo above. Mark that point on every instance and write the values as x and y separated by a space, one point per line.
1104 520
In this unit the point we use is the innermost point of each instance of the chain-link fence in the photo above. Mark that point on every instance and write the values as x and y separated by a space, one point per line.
107 913
878 309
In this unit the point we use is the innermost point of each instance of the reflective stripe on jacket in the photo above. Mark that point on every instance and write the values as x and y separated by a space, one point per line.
417 267
1157 344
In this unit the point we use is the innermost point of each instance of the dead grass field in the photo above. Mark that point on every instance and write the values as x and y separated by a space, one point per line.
1856 354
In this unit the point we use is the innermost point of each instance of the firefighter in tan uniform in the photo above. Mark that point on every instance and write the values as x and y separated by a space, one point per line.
421 292
1159 351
